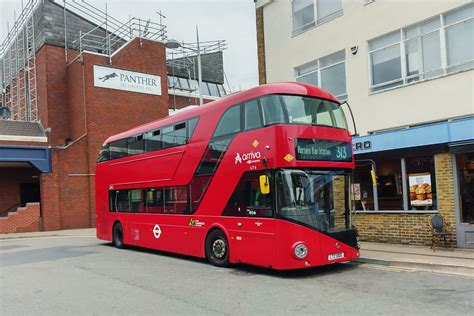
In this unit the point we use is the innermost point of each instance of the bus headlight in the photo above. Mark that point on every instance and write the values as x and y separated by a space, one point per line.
300 251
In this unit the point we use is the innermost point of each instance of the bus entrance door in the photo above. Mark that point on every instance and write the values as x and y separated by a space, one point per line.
254 241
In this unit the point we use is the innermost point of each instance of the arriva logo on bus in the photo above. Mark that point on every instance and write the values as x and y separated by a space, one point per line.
248 158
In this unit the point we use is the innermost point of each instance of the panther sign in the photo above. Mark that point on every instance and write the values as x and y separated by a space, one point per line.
113 78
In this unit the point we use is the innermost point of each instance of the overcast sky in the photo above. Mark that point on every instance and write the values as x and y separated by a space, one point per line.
231 20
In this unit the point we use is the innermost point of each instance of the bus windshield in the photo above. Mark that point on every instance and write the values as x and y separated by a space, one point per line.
313 111
317 199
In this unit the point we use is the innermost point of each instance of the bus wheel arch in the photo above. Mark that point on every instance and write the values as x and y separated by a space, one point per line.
216 247
117 235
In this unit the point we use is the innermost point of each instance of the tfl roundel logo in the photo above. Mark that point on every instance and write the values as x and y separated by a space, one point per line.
157 231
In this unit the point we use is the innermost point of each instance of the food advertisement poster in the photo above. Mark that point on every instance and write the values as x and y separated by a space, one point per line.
420 189
356 191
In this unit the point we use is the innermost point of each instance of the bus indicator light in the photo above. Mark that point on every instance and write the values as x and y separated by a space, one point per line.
288 157
255 143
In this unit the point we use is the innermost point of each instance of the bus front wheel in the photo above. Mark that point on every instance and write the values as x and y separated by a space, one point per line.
217 248
117 236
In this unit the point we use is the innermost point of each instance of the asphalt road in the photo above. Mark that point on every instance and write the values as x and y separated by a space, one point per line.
82 275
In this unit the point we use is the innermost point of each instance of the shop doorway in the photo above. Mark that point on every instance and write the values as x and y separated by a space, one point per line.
465 189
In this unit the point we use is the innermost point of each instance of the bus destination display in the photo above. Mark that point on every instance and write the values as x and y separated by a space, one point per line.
327 150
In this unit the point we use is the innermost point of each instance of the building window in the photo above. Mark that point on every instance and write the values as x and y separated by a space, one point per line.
328 72
459 33
420 174
191 86
309 13
389 185
405 184
428 49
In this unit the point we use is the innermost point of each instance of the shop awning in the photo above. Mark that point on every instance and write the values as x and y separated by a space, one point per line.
39 157
451 131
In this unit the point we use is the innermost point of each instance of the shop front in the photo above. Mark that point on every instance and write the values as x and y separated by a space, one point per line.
403 176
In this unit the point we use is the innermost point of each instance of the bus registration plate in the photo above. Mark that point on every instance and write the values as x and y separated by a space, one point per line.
335 256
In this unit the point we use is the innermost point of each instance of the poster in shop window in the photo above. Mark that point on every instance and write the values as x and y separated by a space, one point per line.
356 191
420 189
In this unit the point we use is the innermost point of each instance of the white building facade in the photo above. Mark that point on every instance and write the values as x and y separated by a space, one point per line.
406 68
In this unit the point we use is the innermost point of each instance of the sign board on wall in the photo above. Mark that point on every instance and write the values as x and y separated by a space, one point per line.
420 189
118 79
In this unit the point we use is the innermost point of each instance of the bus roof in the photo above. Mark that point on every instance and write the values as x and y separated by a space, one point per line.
296 88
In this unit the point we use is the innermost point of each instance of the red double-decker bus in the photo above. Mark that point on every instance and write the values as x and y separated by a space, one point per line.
260 177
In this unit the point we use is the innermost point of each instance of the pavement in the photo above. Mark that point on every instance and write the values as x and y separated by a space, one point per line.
448 261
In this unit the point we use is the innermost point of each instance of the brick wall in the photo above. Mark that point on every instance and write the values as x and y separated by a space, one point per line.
25 219
50 196
10 180
57 96
262 72
88 116
182 102
445 178
413 228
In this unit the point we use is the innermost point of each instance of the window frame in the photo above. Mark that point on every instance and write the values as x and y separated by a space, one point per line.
317 69
317 20
405 191
406 79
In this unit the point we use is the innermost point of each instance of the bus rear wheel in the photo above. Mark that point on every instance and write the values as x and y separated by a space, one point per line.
117 236
217 248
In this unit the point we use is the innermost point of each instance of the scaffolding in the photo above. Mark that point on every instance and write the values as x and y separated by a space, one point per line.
110 34
18 73
18 67
184 57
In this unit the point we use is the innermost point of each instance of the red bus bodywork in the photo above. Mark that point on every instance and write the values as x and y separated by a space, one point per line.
266 242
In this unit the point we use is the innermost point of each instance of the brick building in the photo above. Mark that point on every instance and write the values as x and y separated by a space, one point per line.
409 81
67 84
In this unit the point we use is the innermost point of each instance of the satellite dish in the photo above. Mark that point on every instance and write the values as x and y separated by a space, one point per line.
5 113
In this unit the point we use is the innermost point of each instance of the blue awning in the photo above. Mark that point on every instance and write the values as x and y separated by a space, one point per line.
445 132
39 157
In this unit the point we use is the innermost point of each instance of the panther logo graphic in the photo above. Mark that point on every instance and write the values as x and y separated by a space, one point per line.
109 76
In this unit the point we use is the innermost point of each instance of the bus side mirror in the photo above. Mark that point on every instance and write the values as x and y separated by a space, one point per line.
264 184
